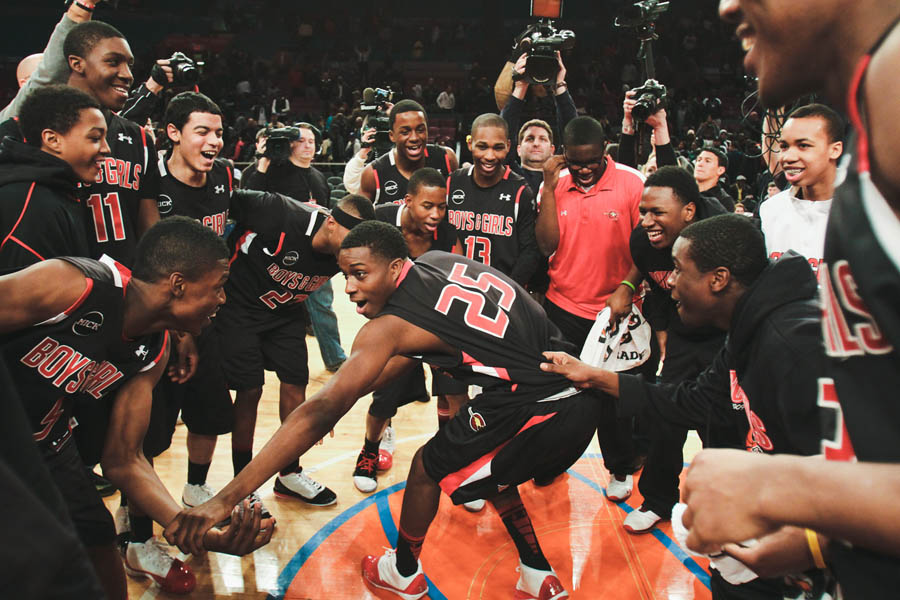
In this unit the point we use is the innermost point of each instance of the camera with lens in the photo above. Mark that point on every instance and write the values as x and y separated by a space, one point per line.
373 104
278 144
184 70
640 14
541 41
648 99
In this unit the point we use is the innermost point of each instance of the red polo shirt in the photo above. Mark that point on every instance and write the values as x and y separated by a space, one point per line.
593 256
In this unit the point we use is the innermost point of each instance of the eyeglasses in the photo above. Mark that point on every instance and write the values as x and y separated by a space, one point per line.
592 164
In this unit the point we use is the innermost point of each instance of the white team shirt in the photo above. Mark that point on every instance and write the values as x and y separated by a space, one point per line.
791 223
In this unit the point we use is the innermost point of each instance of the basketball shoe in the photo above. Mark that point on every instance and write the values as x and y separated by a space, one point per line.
381 571
386 449
300 485
151 559
534 584
365 477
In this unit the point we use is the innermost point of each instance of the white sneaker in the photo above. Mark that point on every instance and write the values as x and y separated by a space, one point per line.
386 449
195 495
474 506
538 585
301 486
381 571
152 559
617 491
640 521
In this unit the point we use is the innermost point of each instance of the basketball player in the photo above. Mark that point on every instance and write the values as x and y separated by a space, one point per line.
283 251
385 179
422 220
492 207
484 329
77 326
850 49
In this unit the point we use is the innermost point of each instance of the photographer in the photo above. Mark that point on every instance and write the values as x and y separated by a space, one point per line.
665 153
356 165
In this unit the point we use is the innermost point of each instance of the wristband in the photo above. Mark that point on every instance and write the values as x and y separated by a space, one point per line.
560 84
629 284
812 540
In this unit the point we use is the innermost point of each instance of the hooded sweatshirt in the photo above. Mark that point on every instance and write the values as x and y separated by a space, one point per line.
764 379
40 213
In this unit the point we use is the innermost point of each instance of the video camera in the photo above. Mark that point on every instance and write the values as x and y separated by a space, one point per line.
641 16
278 144
373 103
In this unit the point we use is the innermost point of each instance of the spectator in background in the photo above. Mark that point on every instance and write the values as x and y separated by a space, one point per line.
446 100
711 164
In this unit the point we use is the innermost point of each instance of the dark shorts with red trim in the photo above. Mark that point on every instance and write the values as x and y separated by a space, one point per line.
409 387
251 346
484 449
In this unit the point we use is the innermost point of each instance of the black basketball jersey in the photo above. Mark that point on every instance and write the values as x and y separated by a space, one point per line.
274 266
499 331
860 288
208 204
112 201
445 235
79 351
390 184
491 221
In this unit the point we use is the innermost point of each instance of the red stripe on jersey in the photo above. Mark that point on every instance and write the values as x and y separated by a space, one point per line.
375 175
426 150
124 273
230 179
506 172
82 297
237 246
19 220
26 246
862 144
406 267
447 161
163 349
448 184
472 362
280 243
519 194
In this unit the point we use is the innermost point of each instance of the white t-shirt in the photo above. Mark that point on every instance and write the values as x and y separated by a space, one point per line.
791 223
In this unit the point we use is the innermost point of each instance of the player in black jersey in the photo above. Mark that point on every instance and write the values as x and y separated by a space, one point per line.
492 207
850 502
478 325
385 180
77 326
40 212
283 251
121 204
423 223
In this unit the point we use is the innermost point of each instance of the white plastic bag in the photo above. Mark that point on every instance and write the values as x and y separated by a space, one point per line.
620 346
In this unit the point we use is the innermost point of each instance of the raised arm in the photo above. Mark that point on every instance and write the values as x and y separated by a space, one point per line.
546 228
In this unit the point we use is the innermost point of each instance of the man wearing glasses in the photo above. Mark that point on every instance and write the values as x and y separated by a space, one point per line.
588 209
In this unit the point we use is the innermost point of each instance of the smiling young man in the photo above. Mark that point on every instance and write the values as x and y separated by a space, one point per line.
40 212
492 207
764 379
79 327
709 165
522 425
795 219
385 180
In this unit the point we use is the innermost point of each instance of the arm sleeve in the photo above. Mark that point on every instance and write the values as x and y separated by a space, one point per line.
691 404
627 153
140 105
353 173
512 114
529 256
53 68
565 110
665 155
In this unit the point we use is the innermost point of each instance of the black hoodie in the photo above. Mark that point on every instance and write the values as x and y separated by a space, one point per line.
40 212
764 380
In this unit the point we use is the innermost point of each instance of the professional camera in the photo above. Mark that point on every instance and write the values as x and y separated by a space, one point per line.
278 144
649 98
641 13
373 104
542 40
184 70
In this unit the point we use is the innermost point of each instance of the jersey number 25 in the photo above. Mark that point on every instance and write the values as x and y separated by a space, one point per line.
471 292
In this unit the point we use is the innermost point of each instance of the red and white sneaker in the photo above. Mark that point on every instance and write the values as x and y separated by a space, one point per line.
538 585
386 449
152 559
381 571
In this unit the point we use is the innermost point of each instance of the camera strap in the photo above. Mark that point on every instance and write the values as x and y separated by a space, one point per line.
345 219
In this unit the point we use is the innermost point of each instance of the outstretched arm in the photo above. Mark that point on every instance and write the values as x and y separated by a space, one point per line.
39 292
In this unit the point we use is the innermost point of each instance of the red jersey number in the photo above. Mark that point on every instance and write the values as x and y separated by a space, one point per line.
97 204
471 293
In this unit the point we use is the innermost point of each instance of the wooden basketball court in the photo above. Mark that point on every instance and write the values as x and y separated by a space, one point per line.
316 552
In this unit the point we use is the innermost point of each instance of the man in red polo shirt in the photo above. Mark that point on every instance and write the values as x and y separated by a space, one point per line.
588 209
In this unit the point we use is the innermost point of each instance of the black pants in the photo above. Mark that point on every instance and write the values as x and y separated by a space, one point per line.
614 434
685 359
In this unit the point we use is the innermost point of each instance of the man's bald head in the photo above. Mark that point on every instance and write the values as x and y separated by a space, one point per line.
26 67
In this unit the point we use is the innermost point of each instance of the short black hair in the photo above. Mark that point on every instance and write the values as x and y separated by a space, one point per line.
490 120
583 131
730 241
721 157
84 36
56 107
178 244
678 180
535 123
426 177
834 124
405 106
360 205
183 105
380 238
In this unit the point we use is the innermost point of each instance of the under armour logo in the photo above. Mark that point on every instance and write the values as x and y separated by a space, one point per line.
123 138
220 189
563 213
506 197
141 352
